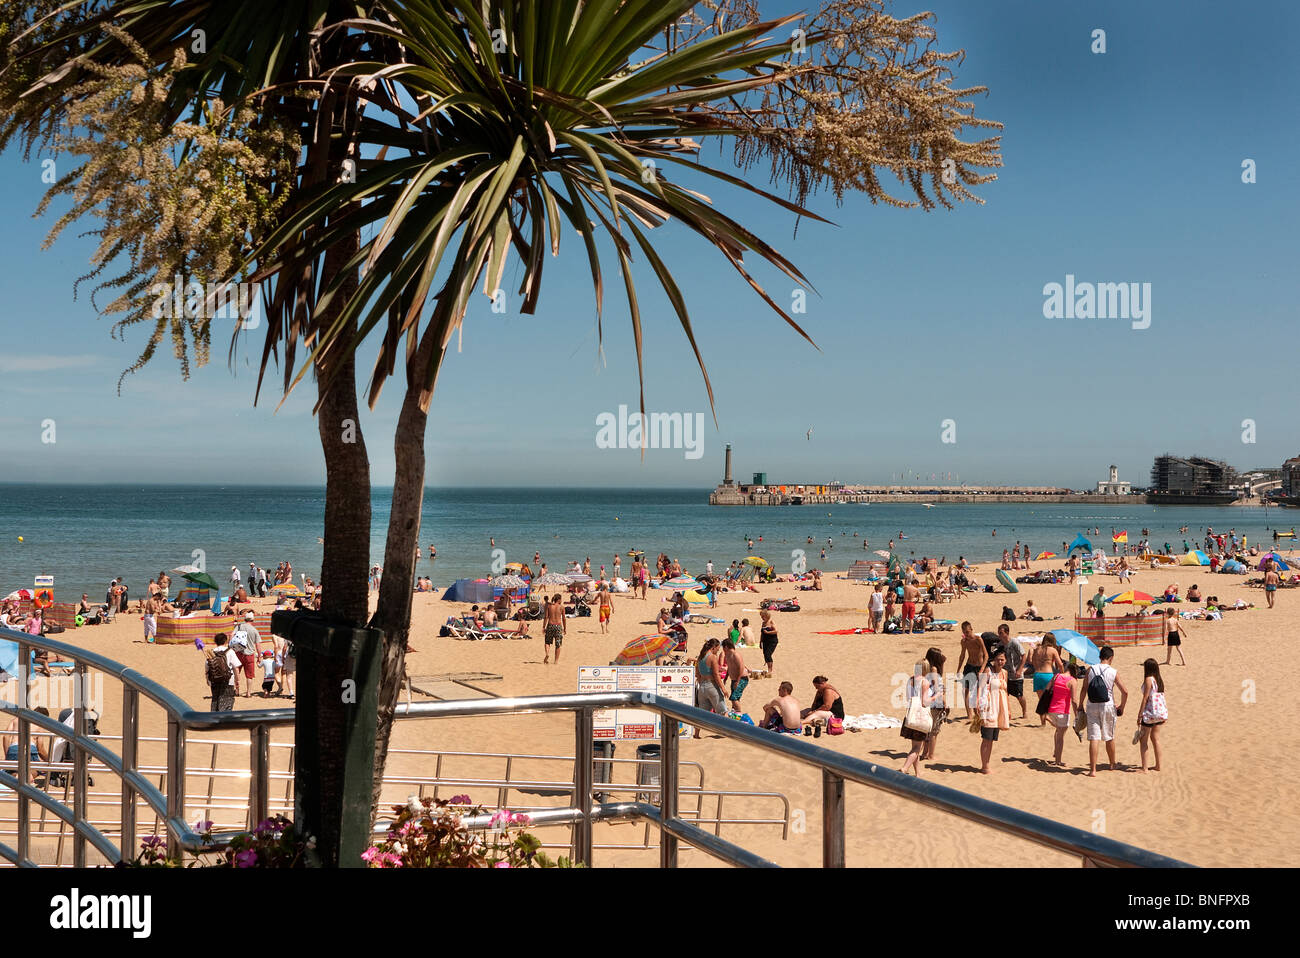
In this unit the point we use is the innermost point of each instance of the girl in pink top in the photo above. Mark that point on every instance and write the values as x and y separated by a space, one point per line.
1063 690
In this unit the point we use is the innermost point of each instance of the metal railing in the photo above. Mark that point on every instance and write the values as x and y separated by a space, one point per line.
230 808
836 770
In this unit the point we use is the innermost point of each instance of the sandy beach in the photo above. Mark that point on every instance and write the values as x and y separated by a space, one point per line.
1211 804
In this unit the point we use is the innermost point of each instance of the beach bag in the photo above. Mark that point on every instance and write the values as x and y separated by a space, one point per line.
1098 690
918 718
1044 701
835 726
218 670
1157 711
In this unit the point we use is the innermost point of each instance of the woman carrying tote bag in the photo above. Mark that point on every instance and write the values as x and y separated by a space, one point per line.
919 722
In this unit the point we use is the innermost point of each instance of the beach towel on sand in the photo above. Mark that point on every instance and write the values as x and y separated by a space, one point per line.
848 632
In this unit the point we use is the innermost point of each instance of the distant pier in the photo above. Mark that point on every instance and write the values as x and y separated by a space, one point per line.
834 495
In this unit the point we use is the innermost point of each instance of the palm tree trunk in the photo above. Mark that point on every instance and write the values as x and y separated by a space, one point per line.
393 614
344 592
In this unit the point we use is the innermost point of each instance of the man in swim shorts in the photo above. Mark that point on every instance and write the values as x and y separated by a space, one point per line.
1271 579
782 713
555 628
736 672
974 653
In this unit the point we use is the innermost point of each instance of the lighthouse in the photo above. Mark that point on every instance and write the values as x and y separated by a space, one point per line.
726 472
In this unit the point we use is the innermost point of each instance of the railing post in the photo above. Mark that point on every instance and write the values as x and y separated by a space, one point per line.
582 752
79 776
175 782
23 772
667 789
259 782
832 820
130 752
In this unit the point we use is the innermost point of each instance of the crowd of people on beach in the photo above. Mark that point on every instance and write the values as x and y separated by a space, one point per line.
992 669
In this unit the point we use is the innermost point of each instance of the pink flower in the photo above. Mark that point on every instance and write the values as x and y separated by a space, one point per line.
519 818
502 864
370 855
461 800
246 859
502 817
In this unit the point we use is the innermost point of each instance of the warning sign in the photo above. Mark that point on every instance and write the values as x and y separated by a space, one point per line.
676 682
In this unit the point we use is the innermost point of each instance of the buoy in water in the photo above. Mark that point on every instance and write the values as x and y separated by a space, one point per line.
20 538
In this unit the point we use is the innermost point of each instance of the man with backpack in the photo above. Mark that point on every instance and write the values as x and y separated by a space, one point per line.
219 670
1097 699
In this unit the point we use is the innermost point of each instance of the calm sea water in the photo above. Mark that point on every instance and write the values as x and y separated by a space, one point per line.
85 535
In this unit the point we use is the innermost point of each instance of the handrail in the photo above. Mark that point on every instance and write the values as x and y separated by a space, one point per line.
836 769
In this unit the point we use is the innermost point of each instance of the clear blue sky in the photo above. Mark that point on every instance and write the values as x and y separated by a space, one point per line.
1120 167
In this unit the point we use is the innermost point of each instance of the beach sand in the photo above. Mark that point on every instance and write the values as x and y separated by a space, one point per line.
1228 763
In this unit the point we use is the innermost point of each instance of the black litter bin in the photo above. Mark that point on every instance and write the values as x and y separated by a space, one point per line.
602 767
647 771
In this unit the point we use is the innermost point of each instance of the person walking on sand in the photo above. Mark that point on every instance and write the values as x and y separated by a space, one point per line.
554 629
1174 636
992 703
709 693
1097 699
876 607
1045 662
974 653
1061 693
244 642
737 673
1015 667
935 660
1271 580
606 607
767 637
920 687
220 668
1153 713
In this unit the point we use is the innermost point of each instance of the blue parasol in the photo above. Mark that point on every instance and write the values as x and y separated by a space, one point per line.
1078 645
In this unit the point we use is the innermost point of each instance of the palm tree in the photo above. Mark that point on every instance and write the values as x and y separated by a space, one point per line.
478 128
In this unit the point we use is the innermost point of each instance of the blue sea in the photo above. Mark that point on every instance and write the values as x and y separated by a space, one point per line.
86 535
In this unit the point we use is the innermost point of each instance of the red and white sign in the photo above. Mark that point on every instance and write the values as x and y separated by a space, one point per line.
676 682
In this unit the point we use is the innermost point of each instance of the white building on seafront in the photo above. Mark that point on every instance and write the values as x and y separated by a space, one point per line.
1113 486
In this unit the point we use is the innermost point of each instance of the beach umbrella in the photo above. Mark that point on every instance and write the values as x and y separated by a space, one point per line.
8 657
20 594
202 579
1078 645
1045 555
645 648
577 577
758 562
882 553
287 588
1007 582
1079 543
514 565
552 578
1131 597
507 582
183 569
1273 556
